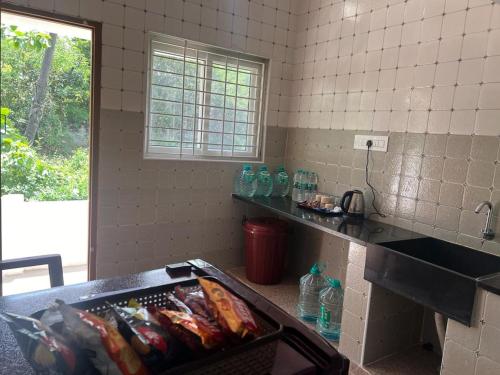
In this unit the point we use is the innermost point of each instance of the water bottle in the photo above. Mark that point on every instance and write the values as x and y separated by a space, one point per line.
330 310
307 186
248 182
236 181
301 195
313 186
295 189
310 288
281 184
264 182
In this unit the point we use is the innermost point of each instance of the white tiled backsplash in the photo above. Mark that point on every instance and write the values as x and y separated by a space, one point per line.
418 66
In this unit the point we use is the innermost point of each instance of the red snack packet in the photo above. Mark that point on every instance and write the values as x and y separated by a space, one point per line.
193 330
149 340
230 312
111 353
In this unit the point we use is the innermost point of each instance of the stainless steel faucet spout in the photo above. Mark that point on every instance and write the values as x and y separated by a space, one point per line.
487 232
481 205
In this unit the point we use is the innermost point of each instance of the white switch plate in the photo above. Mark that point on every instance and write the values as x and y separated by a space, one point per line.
379 142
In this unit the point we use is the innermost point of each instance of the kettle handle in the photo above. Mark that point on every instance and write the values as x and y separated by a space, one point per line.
346 195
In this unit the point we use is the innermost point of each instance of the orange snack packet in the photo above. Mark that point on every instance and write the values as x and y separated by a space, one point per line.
190 328
231 313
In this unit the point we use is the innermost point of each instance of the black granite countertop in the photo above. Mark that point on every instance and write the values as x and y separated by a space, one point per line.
358 231
362 232
491 283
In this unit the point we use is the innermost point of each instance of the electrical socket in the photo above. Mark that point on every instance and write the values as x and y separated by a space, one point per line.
380 142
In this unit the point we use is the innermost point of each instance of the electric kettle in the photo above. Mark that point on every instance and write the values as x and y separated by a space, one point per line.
353 204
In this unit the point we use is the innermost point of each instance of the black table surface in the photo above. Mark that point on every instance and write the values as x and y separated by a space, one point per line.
13 363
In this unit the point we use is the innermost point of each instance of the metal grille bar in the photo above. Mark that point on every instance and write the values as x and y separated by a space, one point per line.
203 101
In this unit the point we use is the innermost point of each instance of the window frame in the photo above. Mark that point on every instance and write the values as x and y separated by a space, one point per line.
204 154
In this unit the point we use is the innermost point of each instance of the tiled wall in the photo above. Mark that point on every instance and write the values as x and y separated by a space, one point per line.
394 65
474 350
424 72
430 183
356 301
307 246
389 313
154 212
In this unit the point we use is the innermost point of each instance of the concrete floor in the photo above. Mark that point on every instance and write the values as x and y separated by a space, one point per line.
413 361
36 278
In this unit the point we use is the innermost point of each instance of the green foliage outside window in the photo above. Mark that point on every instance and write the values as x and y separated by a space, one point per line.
56 165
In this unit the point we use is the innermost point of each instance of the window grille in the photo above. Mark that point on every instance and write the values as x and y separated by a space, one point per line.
204 102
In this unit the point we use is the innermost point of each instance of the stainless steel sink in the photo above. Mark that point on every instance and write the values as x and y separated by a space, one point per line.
438 274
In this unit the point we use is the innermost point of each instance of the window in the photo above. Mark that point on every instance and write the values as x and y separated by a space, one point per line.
204 102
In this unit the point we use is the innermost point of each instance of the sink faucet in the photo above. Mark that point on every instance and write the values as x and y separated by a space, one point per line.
487 232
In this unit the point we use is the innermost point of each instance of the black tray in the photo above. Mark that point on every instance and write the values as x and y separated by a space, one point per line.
318 210
251 357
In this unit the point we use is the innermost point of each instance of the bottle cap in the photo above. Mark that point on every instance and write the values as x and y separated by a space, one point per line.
280 168
247 167
334 283
263 168
317 268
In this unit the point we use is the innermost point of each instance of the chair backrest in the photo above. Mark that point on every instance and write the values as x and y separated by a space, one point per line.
52 260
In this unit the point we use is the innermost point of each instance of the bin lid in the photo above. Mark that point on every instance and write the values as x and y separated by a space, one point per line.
265 225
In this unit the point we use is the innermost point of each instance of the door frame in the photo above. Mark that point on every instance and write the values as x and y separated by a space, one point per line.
94 115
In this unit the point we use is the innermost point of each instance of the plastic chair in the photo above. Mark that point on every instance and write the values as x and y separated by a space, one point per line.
52 260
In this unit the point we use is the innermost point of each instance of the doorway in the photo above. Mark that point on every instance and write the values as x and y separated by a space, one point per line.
48 130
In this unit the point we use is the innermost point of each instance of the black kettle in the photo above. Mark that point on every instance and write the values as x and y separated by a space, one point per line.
353 204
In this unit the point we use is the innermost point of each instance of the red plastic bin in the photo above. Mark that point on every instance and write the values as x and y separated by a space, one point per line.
265 249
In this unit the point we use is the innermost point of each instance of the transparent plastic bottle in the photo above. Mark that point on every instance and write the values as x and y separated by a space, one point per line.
296 185
264 182
248 182
281 183
307 187
301 195
236 180
312 186
311 285
330 310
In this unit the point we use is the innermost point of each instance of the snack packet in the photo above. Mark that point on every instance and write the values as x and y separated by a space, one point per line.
175 304
231 313
110 353
153 344
194 298
44 349
193 330
140 312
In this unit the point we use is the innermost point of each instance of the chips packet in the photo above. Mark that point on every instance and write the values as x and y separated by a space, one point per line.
140 311
194 298
109 351
195 331
47 351
155 346
232 314
175 304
